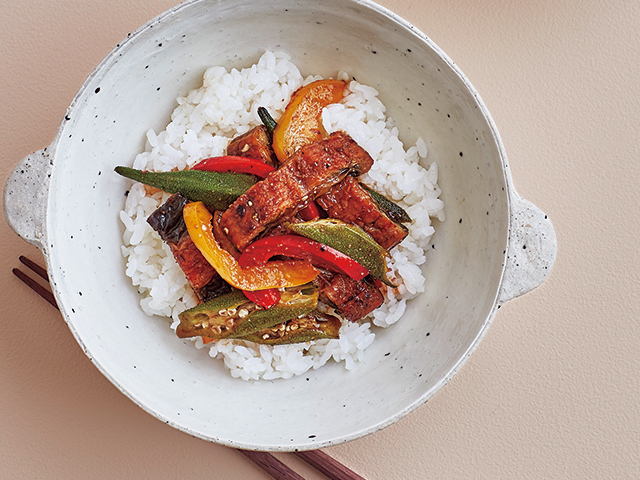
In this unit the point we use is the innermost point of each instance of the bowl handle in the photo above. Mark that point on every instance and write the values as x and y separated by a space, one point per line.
25 197
532 249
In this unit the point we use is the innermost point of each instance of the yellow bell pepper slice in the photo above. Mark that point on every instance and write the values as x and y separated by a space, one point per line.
300 123
276 274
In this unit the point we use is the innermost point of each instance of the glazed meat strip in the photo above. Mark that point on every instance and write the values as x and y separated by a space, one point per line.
353 299
198 271
254 144
168 221
282 228
350 202
310 172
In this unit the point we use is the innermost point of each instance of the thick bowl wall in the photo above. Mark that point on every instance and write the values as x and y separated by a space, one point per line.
134 89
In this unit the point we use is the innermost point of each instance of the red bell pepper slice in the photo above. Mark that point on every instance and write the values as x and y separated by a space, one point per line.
310 212
234 164
260 251
265 298
278 274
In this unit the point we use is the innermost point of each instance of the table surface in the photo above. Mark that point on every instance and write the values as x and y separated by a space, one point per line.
552 390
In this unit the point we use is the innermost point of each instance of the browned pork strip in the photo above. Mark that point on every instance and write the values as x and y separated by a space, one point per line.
198 271
353 299
254 144
168 221
310 172
282 228
349 202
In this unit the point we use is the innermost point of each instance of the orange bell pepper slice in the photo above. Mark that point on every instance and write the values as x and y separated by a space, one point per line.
300 123
277 274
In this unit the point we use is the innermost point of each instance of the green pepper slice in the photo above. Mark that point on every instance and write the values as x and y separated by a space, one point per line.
215 318
314 326
217 190
394 211
267 120
232 315
348 239
293 303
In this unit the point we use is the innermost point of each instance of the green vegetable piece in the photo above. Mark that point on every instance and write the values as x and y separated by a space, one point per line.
293 303
217 190
213 319
232 315
394 211
267 120
348 239
314 326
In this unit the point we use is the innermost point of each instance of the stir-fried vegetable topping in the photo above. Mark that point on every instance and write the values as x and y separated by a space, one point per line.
234 316
260 251
215 318
348 239
300 124
215 189
236 165
293 304
314 326
392 209
265 298
277 274
275 285
267 120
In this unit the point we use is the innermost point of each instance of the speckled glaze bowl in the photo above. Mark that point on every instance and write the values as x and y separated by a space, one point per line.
66 199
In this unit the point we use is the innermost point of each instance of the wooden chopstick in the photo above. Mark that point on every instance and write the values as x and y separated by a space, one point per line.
319 460
328 466
271 465
39 289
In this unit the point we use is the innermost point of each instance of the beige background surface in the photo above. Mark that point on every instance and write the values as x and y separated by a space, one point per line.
552 391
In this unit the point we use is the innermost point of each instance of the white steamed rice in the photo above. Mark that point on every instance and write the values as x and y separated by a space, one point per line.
202 125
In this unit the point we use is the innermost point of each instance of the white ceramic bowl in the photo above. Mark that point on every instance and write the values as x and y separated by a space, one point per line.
65 199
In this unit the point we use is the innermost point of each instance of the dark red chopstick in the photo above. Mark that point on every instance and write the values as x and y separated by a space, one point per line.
39 289
271 465
328 466
319 460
